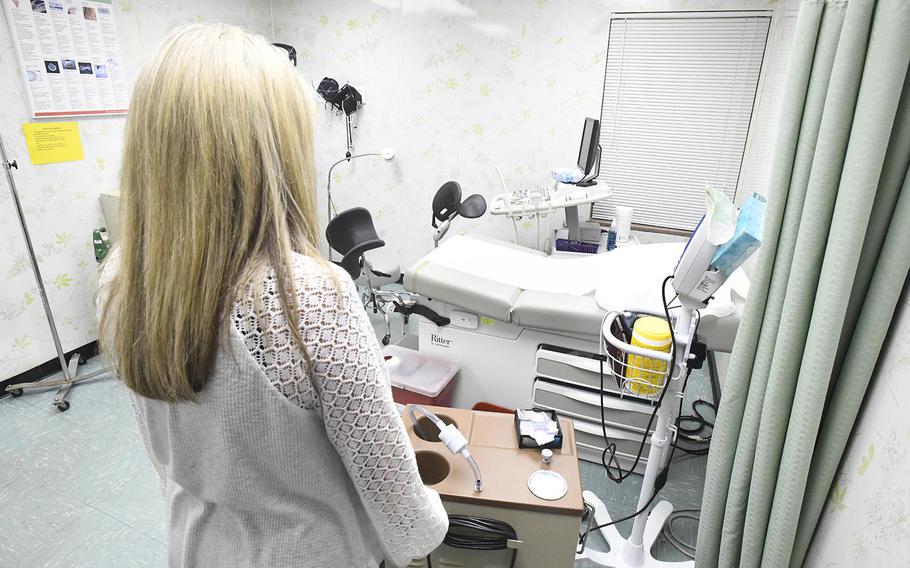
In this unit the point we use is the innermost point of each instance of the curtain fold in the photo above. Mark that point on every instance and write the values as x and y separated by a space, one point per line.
883 272
807 344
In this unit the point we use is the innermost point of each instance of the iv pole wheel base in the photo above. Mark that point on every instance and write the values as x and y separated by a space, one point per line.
62 406
15 393
623 555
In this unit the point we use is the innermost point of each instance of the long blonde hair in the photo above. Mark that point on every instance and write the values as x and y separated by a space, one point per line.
217 186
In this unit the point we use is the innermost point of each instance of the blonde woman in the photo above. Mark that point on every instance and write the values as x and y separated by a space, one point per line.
256 375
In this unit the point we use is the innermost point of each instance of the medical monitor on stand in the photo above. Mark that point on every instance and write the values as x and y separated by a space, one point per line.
589 153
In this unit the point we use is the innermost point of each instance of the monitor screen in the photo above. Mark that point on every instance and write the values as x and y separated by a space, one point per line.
587 152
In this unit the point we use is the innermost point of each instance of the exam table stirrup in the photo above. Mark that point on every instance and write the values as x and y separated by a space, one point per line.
352 234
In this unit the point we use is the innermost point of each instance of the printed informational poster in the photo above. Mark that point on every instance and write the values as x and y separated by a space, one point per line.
52 142
69 54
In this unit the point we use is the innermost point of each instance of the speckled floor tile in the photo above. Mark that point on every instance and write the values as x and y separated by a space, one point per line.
33 514
98 540
137 503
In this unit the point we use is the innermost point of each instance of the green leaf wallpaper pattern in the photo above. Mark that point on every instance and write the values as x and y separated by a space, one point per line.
866 460
867 520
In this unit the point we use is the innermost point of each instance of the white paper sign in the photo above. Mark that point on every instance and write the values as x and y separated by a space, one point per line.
69 55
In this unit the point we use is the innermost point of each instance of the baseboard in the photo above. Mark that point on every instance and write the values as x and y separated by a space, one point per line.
48 368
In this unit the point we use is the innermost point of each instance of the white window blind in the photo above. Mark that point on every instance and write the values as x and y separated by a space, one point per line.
678 95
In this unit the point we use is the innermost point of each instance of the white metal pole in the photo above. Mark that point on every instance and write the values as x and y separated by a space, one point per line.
661 440
36 270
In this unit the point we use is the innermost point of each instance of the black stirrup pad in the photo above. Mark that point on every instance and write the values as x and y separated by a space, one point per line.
472 207
351 233
446 201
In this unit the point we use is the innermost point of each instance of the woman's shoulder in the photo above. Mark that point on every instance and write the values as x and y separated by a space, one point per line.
307 268
319 277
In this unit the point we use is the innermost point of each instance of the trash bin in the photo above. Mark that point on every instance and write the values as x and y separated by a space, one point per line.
418 378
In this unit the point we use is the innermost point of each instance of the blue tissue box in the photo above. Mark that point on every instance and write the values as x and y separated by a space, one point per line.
746 237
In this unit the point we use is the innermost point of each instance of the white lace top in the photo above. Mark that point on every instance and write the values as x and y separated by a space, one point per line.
316 476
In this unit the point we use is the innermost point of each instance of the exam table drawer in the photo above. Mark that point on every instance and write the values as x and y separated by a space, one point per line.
627 442
623 413
575 368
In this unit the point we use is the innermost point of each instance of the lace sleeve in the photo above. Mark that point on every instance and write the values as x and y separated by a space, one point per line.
362 422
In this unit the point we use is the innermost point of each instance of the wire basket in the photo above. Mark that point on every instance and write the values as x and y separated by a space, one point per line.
639 372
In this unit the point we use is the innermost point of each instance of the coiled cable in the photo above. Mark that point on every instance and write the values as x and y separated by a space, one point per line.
479 533
679 544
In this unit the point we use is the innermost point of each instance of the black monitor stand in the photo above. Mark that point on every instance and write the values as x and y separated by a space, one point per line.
588 182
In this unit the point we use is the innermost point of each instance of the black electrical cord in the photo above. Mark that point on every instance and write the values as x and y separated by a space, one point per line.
694 434
661 478
611 446
688 435
479 533
698 418
659 483
702 423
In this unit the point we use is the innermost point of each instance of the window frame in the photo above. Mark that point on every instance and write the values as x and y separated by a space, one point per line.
712 13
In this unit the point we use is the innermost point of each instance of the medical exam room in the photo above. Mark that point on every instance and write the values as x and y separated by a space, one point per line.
455 283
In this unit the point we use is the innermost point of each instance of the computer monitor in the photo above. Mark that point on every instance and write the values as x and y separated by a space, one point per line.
589 152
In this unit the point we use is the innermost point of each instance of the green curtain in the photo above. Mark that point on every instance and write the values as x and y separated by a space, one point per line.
834 259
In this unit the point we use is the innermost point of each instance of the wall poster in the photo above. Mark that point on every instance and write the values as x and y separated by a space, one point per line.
69 55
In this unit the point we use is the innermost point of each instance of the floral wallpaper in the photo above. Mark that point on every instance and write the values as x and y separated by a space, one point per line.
460 87
866 522
456 87
61 200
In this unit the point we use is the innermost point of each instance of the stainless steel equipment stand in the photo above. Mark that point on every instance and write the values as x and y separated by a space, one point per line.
70 370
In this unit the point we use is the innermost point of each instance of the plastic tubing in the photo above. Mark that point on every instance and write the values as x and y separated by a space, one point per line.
453 439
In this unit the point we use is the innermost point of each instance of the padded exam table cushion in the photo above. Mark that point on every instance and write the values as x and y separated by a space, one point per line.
563 294
482 295
444 277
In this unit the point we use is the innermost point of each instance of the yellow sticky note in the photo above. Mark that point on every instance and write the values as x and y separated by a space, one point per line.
52 142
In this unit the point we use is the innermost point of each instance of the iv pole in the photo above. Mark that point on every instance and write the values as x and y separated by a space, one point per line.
635 551
69 370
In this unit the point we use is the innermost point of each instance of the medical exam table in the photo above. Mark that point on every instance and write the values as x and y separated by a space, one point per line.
525 326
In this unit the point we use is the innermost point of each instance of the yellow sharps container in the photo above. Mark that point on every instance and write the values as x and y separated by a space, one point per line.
648 375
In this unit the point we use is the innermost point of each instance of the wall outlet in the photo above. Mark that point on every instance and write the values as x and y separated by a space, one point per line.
464 320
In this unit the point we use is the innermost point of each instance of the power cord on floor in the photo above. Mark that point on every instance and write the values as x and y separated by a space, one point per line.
659 483
698 418
675 541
